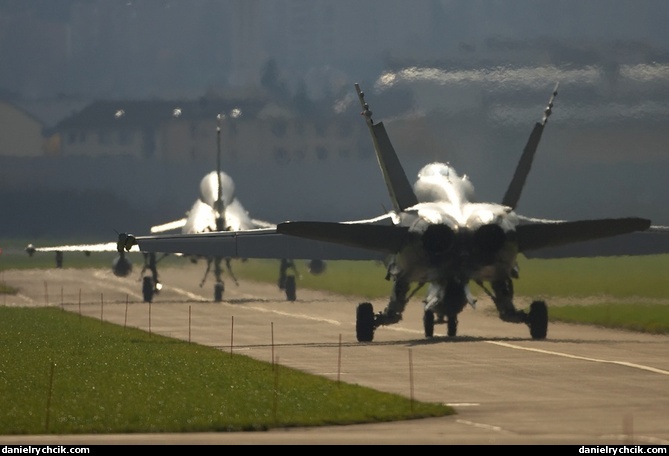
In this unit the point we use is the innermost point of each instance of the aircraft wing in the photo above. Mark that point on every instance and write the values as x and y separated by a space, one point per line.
538 238
259 243
387 239
86 248
653 241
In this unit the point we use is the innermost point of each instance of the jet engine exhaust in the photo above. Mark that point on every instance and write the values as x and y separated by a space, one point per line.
438 240
489 238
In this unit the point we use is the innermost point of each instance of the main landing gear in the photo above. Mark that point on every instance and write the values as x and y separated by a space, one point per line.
429 320
219 286
366 322
147 289
150 284
286 282
537 320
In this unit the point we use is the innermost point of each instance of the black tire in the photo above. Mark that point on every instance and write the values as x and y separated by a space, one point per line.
428 323
219 288
364 322
452 325
147 289
290 288
537 319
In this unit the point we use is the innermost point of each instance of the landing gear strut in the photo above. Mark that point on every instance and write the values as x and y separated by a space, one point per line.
536 318
219 286
150 284
428 323
290 288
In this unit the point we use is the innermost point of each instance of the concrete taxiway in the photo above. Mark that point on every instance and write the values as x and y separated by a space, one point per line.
582 385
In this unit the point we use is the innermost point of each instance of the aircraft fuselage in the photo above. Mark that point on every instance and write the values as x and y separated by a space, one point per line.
451 238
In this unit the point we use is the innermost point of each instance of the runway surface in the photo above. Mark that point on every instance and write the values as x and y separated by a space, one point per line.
582 385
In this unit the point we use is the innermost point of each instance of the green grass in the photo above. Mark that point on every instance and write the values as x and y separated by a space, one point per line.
8 289
352 278
65 374
642 277
648 318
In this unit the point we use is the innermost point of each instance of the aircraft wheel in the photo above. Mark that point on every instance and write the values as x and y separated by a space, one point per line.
218 291
452 325
364 322
538 320
147 289
428 323
290 287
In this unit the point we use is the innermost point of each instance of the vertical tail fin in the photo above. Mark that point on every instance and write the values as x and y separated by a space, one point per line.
399 188
515 188
219 204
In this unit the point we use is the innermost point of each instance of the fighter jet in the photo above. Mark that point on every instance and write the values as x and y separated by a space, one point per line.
436 234
217 209
217 190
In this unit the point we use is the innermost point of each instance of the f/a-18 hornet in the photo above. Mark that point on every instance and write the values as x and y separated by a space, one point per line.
436 234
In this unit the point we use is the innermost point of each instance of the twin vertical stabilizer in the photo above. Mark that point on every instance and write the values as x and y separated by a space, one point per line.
399 188
515 188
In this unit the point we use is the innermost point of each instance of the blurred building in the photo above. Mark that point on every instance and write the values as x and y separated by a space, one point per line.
186 131
21 132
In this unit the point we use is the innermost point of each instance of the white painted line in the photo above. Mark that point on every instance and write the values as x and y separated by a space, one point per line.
188 294
287 314
595 360
482 426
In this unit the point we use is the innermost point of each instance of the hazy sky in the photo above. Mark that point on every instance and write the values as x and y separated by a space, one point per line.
172 48
479 71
